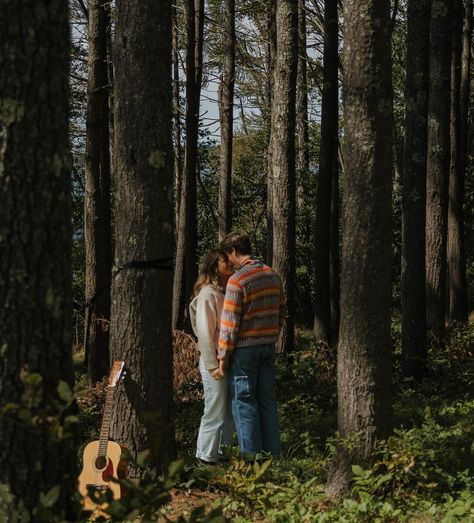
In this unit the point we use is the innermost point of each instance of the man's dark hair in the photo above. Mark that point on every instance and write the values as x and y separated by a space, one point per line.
238 241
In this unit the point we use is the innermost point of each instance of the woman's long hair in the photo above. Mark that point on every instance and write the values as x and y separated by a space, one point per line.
208 274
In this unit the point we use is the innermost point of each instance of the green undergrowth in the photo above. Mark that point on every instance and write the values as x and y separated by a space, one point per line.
424 471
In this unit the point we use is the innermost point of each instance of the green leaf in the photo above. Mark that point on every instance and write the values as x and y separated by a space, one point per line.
357 470
49 499
143 457
65 392
175 467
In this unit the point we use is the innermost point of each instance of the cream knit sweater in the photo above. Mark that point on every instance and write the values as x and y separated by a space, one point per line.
205 313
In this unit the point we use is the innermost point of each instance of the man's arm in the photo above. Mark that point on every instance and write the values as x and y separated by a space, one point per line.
230 319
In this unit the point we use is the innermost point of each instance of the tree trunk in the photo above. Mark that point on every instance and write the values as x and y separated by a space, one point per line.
97 226
176 116
141 297
226 105
272 50
438 165
186 250
302 157
457 310
364 342
334 254
283 160
414 189
35 242
327 164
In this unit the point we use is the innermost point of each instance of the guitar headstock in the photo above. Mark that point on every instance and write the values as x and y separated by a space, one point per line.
117 372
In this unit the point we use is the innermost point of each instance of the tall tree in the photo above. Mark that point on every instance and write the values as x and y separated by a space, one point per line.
176 115
363 372
142 287
283 159
327 172
97 226
438 165
414 188
457 309
35 239
302 133
334 254
226 118
271 53
186 250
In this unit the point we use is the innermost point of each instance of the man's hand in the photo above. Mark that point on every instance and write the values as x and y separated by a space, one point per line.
219 372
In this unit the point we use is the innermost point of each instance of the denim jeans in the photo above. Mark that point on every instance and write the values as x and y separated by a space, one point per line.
252 383
217 427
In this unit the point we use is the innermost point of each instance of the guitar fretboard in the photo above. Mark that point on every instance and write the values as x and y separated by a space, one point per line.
104 430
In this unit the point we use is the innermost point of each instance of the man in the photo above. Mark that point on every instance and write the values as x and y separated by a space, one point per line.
251 320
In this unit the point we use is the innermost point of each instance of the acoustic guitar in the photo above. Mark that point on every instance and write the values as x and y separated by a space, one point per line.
102 459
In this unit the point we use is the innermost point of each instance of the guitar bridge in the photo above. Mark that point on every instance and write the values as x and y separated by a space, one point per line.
96 487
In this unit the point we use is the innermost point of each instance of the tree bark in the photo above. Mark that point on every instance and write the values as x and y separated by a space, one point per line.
438 165
226 117
176 116
272 52
364 343
35 242
186 250
457 310
97 227
144 215
283 160
334 253
414 189
302 156
327 165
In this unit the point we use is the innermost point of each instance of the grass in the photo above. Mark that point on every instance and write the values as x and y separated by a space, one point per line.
424 471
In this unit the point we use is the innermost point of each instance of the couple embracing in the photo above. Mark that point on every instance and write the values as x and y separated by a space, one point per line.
237 317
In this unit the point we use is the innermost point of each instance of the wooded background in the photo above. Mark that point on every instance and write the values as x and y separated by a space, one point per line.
341 143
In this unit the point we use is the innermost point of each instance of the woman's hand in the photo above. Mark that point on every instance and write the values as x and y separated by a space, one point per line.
217 373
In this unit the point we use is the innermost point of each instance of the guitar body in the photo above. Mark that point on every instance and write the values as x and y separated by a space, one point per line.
97 472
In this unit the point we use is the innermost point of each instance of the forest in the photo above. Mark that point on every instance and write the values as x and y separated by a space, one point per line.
134 137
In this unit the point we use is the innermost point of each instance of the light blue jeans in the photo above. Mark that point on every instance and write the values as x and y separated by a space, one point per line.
217 426
252 389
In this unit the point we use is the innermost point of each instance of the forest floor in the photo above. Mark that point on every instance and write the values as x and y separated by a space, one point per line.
424 472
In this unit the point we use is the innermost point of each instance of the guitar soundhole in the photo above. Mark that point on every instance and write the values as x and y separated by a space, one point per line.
100 462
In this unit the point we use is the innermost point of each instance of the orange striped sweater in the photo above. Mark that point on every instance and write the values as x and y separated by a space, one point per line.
254 307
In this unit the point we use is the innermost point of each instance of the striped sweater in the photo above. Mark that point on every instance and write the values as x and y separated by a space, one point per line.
254 308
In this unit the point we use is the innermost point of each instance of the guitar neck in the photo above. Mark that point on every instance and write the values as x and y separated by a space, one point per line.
104 429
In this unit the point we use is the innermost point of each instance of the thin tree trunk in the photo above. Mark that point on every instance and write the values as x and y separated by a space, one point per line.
272 53
457 310
97 226
35 242
438 165
283 160
186 250
364 343
144 215
334 254
302 154
328 152
414 189
176 115
226 117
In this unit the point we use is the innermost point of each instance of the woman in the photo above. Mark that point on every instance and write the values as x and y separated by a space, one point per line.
215 431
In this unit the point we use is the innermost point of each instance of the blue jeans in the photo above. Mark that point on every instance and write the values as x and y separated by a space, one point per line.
252 383
216 429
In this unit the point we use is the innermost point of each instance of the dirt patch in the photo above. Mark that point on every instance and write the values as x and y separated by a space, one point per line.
183 502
